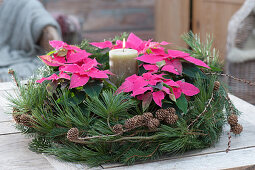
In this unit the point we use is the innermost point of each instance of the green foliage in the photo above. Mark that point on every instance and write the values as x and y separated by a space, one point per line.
191 71
95 108
203 51
182 103
30 94
110 105
93 89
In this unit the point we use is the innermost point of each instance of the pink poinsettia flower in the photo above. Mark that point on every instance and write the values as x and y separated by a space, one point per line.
187 57
57 45
77 57
102 45
72 57
144 86
53 77
54 62
171 59
185 88
133 42
81 74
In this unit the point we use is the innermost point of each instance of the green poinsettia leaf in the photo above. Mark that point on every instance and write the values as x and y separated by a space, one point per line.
51 87
146 101
192 70
182 103
72 98
93 89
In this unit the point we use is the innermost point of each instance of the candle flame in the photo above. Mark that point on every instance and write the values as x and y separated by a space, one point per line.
124 43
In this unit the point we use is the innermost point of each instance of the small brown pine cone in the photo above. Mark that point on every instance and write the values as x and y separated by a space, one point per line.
15 110
130 123
171 119
237 129
216 85
153 124
72 134
118 128
232 119
26 120
171 110
147 116
161 114
139 119
16 117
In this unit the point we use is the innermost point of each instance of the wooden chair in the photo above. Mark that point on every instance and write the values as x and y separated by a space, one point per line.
239 29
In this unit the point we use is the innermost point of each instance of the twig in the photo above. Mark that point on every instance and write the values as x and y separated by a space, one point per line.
235 78
145 155
231 106
11 72
203 112
108 122
135 138
99 136
229 142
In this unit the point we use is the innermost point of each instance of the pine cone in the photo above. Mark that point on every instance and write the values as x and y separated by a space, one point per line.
171 119
232 119
118 128
15 110
130 123
237 129
171 110
161 114
16 117
26 120
139 119
72 134
216 85
153 123
147 116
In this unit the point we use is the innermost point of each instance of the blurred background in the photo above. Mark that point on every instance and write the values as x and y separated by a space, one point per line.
231 22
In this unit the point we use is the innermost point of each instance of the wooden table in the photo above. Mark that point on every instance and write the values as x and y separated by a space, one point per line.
15 155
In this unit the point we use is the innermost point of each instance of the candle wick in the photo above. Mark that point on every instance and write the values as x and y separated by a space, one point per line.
123 49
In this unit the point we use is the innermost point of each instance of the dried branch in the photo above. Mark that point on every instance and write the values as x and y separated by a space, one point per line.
203 112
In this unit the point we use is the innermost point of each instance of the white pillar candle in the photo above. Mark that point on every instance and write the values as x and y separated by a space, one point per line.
123 63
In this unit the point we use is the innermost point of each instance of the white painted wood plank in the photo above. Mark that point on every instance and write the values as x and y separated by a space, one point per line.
10 85
62 165
5 116
7 128
7 86
247 109
4 103
221 160
14 154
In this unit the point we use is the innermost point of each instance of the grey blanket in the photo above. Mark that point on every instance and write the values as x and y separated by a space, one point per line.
21 25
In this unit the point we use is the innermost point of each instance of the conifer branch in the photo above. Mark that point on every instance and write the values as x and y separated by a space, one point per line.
203 112
234 78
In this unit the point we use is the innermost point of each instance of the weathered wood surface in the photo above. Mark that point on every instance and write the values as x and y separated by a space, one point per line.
14 153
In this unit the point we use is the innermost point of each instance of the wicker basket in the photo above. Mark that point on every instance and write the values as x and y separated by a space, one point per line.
240 27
